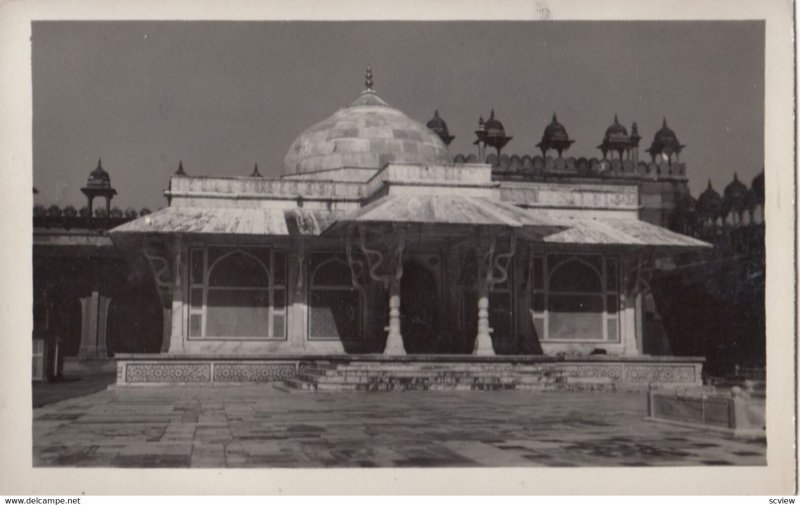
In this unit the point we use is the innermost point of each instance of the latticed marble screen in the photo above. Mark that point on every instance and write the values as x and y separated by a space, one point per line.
334 315
575 297
237 292
335 305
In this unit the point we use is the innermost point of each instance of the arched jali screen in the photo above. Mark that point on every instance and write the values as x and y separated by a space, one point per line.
237 293
335 305
575 298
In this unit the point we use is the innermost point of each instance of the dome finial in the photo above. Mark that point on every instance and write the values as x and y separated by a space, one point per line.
180 168
368 80
709 184
491 115
616 119
664 124
555 119
436 113
99 164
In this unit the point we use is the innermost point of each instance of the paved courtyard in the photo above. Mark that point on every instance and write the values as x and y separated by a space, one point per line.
259 426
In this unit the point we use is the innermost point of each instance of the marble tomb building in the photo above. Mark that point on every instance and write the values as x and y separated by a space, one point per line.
376 241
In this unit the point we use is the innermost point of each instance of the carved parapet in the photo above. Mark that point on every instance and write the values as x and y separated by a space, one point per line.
527 166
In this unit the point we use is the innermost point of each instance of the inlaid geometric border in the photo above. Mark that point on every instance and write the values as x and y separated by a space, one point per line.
627 373
167 372
680 374
253 372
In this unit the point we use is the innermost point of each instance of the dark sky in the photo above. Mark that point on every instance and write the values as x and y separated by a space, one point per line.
223 95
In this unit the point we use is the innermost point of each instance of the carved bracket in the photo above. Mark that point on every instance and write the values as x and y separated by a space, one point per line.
300 251
496 265
376 257
502 262
356 265
159 267
640 275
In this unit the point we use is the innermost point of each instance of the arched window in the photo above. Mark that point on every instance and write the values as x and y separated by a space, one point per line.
335 305
575 297
237 293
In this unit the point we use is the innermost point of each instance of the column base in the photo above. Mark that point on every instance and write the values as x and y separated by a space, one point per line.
394 346
483 346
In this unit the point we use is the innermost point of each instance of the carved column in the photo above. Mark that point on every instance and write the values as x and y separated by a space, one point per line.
491 270
483 341
391 281
166 328
394 340
635 283
297 305
177 342
166 285
103 303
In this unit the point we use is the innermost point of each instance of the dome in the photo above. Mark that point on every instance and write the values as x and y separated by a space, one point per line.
439 127
615 139
554 131
665 135
735 195
367 134
554 137
616 131
665 141
709 204
493 127
99 178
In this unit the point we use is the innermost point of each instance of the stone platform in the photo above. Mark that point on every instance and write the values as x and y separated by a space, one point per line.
372 372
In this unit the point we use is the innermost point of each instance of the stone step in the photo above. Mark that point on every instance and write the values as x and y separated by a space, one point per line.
457 386
466 375
446 367
428 370
383 376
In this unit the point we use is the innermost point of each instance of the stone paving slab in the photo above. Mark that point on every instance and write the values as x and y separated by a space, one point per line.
260 426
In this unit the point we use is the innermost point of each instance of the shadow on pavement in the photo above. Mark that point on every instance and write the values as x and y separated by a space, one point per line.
46 393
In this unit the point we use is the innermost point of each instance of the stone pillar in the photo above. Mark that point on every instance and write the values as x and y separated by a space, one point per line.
94 321
166 328
637 343
177 343
88 347
390 281
296 310
483 340
394 341
631 317
102 325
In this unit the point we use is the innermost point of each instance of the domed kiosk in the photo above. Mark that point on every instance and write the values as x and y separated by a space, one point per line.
371 241
358 140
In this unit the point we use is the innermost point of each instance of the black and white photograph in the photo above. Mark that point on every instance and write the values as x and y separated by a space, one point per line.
418 243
